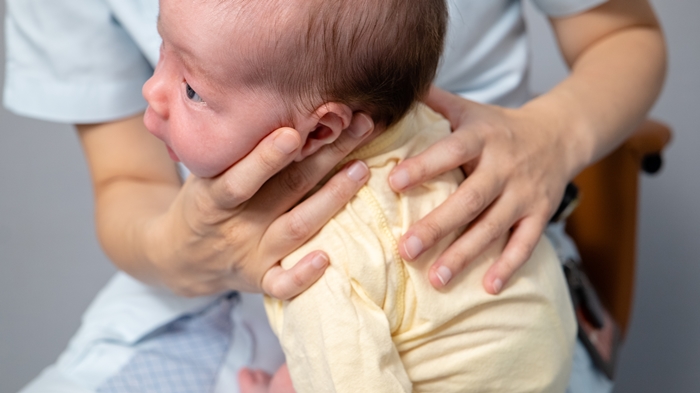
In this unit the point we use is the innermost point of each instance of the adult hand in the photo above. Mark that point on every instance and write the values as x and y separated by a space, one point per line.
516 172
230 232
223 233
519 160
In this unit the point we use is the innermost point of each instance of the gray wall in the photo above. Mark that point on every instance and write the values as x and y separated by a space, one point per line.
51 265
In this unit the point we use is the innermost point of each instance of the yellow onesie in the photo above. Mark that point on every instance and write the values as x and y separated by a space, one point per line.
373 323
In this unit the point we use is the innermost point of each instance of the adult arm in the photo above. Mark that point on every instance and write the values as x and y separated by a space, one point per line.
518 161
211 235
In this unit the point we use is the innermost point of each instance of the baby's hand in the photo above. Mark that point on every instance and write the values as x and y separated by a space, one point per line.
257 381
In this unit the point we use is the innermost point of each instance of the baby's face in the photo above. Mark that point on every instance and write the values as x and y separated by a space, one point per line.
206 119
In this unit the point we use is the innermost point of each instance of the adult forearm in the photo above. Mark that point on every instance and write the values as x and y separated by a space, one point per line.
134 183
612 85
125 212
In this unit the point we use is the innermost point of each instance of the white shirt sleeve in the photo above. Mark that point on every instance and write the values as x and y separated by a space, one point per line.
79 61
557 8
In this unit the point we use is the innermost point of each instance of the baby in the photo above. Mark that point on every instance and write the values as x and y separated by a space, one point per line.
232 71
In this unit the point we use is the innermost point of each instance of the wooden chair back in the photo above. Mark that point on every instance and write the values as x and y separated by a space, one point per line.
604 225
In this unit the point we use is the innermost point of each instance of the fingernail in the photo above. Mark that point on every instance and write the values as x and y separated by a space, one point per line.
357 171
497 285
399 179
413 246
287 142
444 275
319 261
363 125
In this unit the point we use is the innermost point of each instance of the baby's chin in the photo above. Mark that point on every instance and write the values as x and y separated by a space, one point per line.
204 171
206 164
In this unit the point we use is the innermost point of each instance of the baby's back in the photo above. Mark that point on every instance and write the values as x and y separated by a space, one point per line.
374 322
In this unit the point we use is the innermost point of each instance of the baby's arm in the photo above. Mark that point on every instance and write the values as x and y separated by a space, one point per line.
335 335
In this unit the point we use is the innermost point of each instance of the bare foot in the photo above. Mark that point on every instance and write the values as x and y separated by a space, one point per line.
257 381
253 381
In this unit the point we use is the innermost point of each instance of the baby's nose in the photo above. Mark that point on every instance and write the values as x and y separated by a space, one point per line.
155 93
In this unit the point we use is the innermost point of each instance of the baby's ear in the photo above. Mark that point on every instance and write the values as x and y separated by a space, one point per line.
323 127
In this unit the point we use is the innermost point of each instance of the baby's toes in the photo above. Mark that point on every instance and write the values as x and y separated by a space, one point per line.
253 381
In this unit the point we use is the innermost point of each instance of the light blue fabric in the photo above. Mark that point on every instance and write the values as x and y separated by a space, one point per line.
114 326
183 357
585 377
79 61
84 61
136 338
559 8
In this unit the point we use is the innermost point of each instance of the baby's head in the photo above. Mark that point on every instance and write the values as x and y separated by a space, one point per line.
232 71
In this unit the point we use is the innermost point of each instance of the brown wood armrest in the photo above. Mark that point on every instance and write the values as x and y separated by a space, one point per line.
604 224
651 137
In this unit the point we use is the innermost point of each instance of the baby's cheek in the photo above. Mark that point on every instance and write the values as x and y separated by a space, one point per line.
210 158
207 160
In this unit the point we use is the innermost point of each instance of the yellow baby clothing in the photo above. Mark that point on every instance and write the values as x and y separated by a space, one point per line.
373 323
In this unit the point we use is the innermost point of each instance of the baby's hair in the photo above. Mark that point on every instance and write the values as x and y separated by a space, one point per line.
378 56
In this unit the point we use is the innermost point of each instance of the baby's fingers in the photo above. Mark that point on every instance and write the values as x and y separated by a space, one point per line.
285 284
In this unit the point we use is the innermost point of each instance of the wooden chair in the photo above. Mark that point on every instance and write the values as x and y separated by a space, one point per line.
604 225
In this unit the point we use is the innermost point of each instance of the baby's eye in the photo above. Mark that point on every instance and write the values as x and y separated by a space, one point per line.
191 94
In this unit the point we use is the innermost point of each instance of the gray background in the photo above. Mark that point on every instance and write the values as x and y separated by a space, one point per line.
51 265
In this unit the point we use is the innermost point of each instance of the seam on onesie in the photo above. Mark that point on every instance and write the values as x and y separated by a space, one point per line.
366 194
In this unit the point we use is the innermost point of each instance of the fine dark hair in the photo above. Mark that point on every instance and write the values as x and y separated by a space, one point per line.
378 56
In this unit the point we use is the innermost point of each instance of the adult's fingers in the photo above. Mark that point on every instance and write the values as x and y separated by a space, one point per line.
292 229
291 184
493 223
447 154
472 197
240 182
522 242
285 284
451 106
295 227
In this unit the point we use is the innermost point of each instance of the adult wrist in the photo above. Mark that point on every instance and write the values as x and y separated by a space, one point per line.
150 240
568 129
